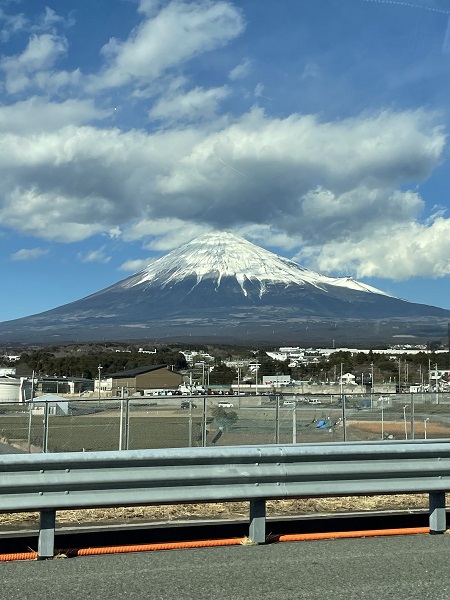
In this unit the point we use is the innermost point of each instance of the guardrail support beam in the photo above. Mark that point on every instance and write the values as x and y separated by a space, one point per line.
46 543
438 517
257 533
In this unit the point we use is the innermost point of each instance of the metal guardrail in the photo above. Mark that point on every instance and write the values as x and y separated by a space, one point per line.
51 482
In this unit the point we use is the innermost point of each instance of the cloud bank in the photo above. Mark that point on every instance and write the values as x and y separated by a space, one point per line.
339 195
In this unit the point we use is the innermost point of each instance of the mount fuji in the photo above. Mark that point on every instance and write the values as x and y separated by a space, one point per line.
220 287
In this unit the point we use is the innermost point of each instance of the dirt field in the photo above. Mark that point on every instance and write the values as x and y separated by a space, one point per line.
228 510
397 429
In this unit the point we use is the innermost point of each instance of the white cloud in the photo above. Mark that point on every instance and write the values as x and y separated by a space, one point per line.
259 89
50 82
241 70
41 54
97 256
28 254
164 234
318 184
12 24
264 170
115 233
195 104
311 71
37 114
150 49
49 19
342 194
396 252
46 215
150 7
266 235
134 266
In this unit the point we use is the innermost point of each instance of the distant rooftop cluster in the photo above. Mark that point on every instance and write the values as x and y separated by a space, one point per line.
302 356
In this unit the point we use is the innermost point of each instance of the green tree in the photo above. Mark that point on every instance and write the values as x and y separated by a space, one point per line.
221 374
223 419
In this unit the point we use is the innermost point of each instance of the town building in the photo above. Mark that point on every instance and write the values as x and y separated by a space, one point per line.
134 382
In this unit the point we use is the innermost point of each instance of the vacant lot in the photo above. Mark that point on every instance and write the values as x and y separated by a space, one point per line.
174 428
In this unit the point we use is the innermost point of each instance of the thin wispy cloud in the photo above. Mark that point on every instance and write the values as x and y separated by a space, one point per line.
26 254
97 256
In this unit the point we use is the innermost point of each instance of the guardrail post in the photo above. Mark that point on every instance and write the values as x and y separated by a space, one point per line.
257 533
46 543
438 517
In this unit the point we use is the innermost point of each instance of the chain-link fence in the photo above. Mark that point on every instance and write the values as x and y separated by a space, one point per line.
176 422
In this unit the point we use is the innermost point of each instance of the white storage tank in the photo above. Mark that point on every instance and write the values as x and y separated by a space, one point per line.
14 389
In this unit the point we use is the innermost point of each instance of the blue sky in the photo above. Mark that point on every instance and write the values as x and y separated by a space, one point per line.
317 129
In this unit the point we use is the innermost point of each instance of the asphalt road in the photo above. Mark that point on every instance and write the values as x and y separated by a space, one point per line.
401 568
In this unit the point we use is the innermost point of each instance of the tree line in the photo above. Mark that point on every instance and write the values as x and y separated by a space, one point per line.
86 365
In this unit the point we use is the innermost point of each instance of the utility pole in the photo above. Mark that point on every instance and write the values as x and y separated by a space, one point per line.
99 379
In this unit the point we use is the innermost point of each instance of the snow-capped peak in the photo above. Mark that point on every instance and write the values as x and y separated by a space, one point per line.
221 254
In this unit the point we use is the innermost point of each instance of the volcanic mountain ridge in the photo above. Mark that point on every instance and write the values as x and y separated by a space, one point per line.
221 287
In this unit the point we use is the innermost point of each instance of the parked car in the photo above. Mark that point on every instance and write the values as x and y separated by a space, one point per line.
187 404
289 403
314 401
225 404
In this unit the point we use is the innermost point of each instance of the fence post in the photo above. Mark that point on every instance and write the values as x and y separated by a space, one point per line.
204 418
30 417
438 517
45 440
277 419
121 423
257 532
46 543
127 424
344 415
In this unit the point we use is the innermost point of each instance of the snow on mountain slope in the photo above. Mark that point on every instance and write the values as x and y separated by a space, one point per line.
221 254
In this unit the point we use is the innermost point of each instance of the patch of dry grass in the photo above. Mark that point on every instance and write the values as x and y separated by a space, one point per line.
219 510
